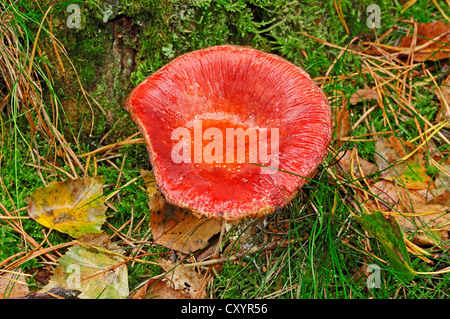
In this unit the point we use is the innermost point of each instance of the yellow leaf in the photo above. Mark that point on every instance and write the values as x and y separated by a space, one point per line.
96 274
74 207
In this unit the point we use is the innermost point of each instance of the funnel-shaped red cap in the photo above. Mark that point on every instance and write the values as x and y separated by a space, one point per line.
213 119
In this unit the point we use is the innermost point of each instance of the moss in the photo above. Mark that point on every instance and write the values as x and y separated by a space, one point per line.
272 26
154 37
102 52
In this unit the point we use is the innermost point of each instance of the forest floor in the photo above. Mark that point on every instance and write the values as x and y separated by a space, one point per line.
371 224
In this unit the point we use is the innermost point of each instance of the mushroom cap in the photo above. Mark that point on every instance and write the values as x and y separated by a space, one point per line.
226 89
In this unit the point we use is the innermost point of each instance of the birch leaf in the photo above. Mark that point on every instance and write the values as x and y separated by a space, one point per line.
98 275
74 207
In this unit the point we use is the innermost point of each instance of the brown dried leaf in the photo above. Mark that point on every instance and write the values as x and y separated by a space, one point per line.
391 196
430 215
12 285
343 128
41 275
388 152
431 43
401 202
359 164
443 199
364 95
185 279
385 196
444 98
408 193
410 173
158 289
428 222
99 240
426 32
179 229
174 227
416 211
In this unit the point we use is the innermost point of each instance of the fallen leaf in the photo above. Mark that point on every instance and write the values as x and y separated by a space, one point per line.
443 199
41 274
180 230
415 176
12 284
184 279
387 231
359 164
389 196
428 216
419 204
436 50
408 193
74 207
385 196
425 221
411 173
158 289
97 274
388 151
431 43
364 95
100 240
443 95
343 128
174 227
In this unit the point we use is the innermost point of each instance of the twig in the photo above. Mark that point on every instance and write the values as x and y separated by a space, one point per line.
127 141
242 253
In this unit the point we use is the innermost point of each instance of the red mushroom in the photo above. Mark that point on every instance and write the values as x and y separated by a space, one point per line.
215 119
